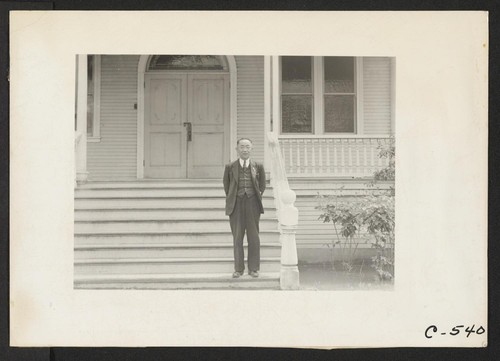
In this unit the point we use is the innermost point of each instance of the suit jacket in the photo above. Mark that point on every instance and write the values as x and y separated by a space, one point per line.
230 180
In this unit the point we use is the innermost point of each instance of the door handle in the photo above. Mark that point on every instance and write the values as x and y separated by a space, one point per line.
189 130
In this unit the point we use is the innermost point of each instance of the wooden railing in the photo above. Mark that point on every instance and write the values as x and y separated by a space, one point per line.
332 157
288 216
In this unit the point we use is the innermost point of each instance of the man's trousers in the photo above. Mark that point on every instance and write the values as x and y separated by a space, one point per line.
245 217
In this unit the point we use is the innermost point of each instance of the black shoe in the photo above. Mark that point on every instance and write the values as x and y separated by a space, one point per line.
254 274
237 274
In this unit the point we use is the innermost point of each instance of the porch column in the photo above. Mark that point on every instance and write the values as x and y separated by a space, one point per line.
275 91
267 109
81 121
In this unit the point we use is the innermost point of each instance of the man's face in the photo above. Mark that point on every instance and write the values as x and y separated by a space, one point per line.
244 149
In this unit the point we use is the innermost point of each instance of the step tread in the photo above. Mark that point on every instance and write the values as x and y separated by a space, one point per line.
179 232
160 246
169 220
165 260
221 196
185 277
206 183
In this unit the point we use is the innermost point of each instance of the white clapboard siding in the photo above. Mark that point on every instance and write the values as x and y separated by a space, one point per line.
311 231
377 95
115 156
251 102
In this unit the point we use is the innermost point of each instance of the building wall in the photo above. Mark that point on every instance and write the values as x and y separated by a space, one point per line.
377 95
115 156
251 102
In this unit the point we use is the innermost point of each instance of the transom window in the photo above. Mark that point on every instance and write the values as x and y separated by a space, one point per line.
187 62
318 95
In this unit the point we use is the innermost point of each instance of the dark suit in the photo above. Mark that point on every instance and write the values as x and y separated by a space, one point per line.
244 213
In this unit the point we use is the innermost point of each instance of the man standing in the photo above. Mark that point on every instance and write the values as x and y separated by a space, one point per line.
244 183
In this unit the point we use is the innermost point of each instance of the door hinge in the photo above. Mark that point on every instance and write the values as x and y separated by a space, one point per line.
143 162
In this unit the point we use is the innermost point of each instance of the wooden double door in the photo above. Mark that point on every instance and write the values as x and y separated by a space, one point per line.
186 125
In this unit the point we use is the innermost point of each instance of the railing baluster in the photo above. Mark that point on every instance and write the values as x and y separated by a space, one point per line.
365 168
299 155
306 163
313 156
335 157
372 159
349 156
328 163
342 159
358 156
320 155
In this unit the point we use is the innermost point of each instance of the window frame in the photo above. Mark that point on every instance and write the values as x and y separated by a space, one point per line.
96 121
318 120
313 86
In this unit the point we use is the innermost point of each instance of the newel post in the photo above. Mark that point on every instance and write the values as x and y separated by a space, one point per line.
289 218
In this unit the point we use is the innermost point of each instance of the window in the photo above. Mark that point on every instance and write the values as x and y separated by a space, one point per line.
93 91
296 94
318 95
187 62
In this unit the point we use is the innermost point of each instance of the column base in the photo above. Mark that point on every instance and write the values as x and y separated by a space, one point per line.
289 278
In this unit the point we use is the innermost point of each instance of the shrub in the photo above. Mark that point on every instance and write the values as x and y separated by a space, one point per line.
373 213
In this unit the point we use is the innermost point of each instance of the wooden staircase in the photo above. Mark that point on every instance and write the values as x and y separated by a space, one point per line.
164 235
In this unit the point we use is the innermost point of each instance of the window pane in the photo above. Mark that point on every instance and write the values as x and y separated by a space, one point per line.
186 62
339 113
296 74
296 114
339 74
90 95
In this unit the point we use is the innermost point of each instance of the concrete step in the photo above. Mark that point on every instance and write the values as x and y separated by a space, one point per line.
185 192
166 265
208 237
159 203
191 226
156 183
217 250
218 281
155 214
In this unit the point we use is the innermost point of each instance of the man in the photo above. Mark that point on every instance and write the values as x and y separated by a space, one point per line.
244 183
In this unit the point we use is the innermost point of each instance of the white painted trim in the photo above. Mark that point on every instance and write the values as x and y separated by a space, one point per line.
276 97
233 105
96 129
233 110
267 108
360 115
143 62
81 121
332 136
393 96
318 125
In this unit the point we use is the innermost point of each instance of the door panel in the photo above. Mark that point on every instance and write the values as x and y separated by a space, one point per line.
205 154
165 113
164 149
208 110
174 99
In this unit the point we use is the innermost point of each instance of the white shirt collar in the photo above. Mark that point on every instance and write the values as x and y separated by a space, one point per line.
243 164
